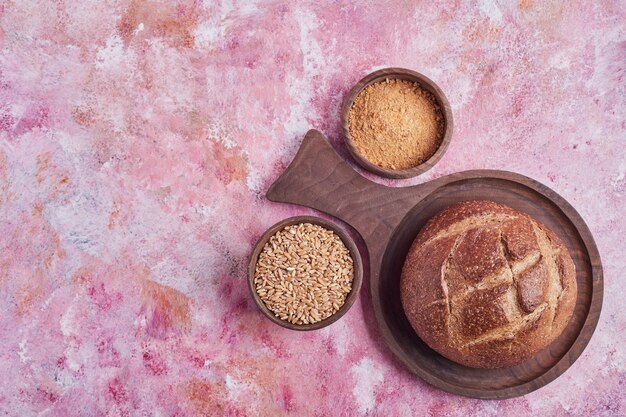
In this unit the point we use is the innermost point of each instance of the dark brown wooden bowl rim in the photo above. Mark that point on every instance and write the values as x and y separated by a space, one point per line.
354 253
404 74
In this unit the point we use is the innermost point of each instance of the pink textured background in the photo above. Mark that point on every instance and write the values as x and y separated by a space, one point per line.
136 143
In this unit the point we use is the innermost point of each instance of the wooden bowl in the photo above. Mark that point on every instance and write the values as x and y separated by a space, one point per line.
401 74
389 218
354 253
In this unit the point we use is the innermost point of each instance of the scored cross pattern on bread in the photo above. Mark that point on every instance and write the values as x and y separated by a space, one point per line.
487 286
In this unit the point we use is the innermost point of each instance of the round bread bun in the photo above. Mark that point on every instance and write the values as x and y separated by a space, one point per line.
487 286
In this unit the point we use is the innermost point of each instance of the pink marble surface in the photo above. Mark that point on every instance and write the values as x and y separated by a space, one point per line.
137 140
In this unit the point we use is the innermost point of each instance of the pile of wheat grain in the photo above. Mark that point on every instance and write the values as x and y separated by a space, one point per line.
304 273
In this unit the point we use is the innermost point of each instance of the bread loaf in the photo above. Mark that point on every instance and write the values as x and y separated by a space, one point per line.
487 286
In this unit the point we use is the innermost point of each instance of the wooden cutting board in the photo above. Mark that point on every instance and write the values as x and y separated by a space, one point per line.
388 219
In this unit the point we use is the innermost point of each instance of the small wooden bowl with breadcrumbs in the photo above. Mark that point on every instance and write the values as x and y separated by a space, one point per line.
305 273
397 123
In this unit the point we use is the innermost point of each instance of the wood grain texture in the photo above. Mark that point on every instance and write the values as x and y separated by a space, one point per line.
354 253
389 219
401 74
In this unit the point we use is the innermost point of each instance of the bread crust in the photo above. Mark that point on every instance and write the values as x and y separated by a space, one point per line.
486 285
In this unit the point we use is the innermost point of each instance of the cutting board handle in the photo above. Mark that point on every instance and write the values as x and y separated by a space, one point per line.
319 178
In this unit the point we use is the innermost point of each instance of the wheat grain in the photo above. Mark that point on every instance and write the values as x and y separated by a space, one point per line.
304 273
